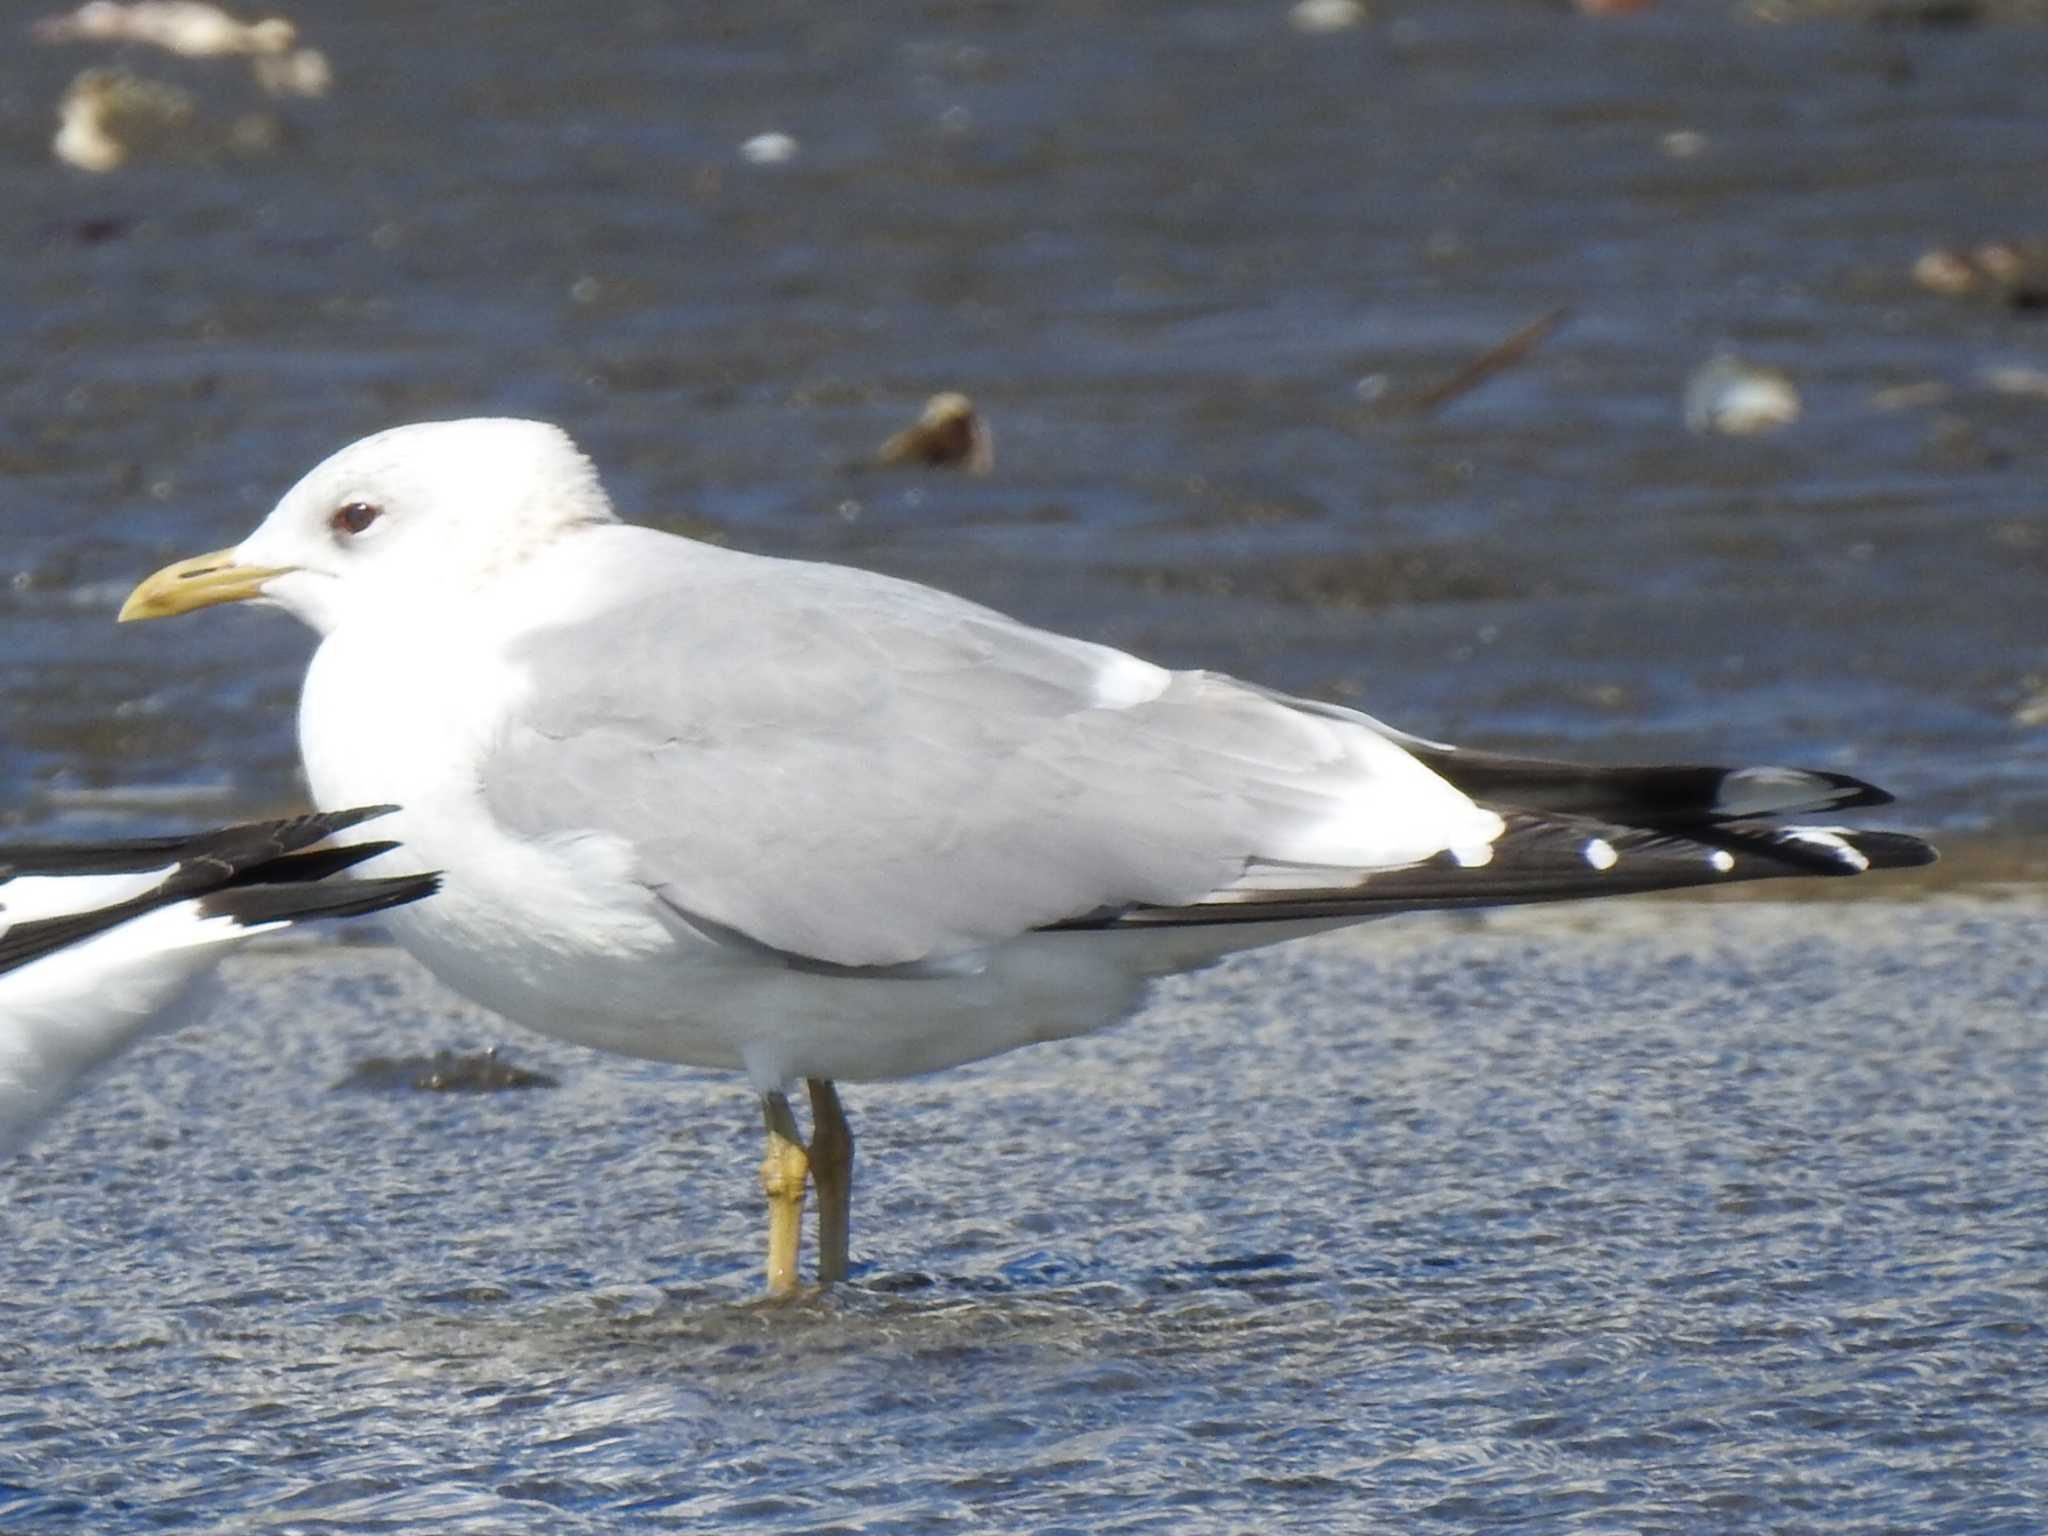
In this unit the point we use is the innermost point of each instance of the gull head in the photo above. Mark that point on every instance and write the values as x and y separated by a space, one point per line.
398 523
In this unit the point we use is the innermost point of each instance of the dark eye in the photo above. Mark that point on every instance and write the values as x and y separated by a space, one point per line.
354 517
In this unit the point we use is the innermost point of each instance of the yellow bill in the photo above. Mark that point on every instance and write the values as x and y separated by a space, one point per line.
200 582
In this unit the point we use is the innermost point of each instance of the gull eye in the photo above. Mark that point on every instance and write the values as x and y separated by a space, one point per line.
353 517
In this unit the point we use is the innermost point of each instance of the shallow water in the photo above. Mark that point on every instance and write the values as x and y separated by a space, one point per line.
1163 245
1696 1217
1680 1219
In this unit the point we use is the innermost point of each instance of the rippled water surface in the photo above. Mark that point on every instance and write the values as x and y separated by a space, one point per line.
1163 245
1684 1218
1692 1218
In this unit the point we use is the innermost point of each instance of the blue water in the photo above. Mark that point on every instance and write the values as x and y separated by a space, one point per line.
1163 246
1693 1220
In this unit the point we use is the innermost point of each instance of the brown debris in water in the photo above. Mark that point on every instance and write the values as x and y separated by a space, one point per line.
949 435
2009 272
444 1072
1504 353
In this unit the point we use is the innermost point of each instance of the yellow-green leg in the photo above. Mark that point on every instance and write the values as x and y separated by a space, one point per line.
831 1158
783 1173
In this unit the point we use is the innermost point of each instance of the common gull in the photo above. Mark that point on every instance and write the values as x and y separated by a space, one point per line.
810 822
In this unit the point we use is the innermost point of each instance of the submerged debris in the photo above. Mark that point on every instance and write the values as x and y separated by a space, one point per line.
1470 375
444 1072
2009 272
2018 379
2033 709
187 27
1739 398
1325 15
108 117
769 149
302 72
950 435
194 30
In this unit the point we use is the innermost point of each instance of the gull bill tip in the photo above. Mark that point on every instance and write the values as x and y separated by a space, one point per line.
201 582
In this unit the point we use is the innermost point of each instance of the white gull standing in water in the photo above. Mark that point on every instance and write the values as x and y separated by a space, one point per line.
809 822
102 944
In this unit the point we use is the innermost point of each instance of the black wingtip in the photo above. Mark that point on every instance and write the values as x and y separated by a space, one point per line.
1542 858
214 854
241 851
1674 795
1843 792
1813 850
301 868
1894 850
1855 792
336 820
254 905
298 832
